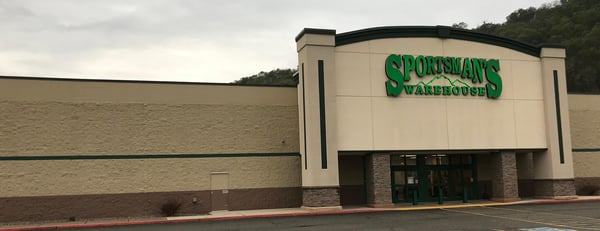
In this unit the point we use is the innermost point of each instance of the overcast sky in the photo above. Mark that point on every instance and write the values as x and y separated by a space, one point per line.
198 40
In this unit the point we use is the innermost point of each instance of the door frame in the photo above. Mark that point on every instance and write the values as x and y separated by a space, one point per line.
219 191
422 185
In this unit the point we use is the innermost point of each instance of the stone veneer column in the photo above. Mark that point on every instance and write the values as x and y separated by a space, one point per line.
315 197
553 168
317 119
554 189
505 179
378 181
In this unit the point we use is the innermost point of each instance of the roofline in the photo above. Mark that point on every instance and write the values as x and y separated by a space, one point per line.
314 31
140 81
443 32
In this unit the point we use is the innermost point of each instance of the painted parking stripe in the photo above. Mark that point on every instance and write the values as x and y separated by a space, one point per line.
543 218
547 229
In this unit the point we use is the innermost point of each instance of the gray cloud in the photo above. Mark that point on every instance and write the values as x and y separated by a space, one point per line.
191 40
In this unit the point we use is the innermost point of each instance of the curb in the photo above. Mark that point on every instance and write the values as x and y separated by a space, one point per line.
551 201
451 206
294 214
165 221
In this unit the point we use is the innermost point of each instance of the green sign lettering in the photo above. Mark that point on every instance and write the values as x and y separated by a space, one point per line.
473 76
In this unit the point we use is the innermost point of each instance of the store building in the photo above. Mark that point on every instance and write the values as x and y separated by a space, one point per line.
379 116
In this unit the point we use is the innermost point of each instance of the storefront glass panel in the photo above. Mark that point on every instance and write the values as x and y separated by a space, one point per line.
430 176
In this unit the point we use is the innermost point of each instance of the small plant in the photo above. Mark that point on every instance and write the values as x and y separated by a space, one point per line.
170 208
588 190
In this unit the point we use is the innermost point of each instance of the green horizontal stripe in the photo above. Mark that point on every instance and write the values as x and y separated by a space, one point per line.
154 156
180 156
586 149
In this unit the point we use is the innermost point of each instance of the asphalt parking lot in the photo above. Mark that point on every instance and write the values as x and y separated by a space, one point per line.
553 216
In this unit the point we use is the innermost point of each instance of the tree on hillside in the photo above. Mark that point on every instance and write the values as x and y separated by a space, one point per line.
275 77
572 23
460 25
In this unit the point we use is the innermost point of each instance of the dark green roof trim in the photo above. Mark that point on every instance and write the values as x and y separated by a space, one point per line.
140 81
443 32
583 93
146 156
434 151
314 31
586 149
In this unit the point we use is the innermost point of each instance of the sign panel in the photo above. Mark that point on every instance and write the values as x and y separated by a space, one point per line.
451 76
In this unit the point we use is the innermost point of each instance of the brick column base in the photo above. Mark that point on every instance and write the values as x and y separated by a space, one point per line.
378 181
505 187
321 197
554 188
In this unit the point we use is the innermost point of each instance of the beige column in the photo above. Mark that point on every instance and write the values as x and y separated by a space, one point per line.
317 109
378 181
504 179
553 168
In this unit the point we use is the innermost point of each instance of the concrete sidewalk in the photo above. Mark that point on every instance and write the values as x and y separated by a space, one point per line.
284 212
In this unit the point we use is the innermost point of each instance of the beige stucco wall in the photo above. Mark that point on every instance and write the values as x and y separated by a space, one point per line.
370 120
586 164
143 92
585 125
44 117
585 133
74 128
69 118
79 177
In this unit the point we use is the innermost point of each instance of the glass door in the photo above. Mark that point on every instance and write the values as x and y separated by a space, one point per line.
405 181
436 168
429 176
398 186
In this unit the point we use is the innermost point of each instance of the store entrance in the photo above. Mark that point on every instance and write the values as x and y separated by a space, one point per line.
433 177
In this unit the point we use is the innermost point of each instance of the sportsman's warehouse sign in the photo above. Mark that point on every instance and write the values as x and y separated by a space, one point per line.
451 76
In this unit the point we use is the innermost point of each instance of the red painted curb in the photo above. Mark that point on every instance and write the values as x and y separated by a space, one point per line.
155 222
